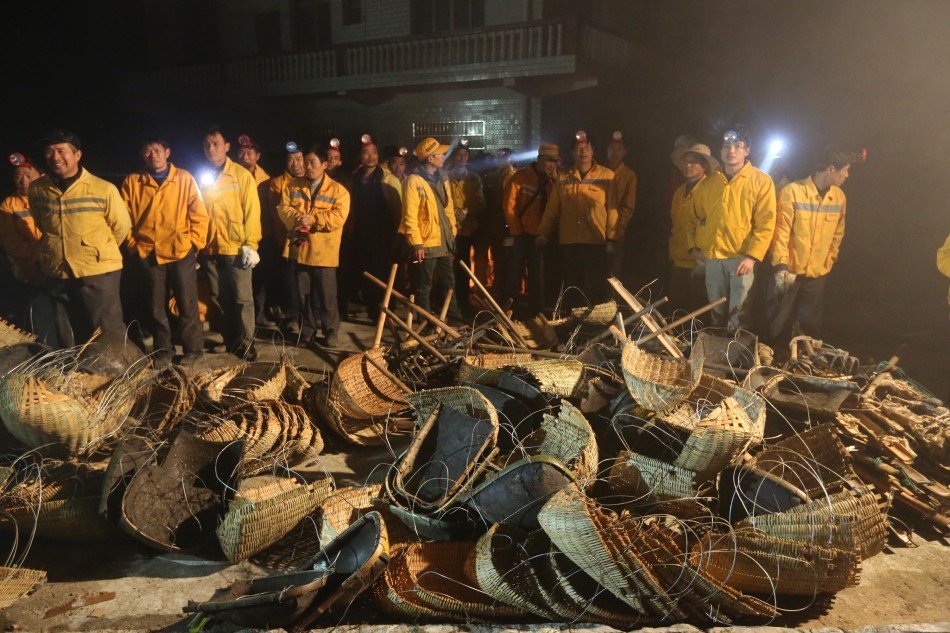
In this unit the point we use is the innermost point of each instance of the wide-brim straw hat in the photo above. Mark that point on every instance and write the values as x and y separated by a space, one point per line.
679 155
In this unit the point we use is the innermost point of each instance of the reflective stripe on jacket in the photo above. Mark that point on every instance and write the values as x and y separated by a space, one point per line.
420 213
235 210
329 206
734 218
809 229
582 209
82 227
169 219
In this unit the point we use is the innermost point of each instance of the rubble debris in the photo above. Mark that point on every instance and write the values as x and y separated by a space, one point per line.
78 603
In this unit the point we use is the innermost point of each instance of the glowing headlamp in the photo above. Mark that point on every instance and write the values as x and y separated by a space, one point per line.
730 138
581 136
403 151
207 179
859 156
291 147
463 142
335 143
17 159
618 135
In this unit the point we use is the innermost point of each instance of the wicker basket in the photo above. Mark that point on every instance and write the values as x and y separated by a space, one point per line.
255 382
750 561
484 368
656 382
165 400
600 314
561 378
16 582
569 438
259 516
815 461
572 590
11 335
360 391
210 385
638 478
537 332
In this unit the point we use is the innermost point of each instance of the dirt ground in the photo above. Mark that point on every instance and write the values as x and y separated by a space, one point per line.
900 585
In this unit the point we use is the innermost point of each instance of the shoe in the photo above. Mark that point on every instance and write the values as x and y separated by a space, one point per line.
190 360
161 360
333 339
265 323
216 348
249 354
292 329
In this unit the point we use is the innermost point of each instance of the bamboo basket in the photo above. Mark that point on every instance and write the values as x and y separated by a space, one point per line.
360 391
814 461
638 478
561 378
210 385
16 582
259 516
572 589
484 369
600 314
656 382
537 333
569 438
165 400
11 335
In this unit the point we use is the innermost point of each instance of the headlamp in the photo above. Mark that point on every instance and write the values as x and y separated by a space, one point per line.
291 147
859 156
580 136
730 138
335 143
17 159
207 179
245 141
463 142
403 151
366 139
618 135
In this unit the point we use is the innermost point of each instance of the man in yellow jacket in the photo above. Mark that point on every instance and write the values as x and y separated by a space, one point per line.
169 227
943 261
428 223
315 207
83 220
468 198
583 209
625 196
265 275
687 284
808 234
732 228
230 196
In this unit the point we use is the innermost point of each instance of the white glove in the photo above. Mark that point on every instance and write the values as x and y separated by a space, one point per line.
784 280
249 257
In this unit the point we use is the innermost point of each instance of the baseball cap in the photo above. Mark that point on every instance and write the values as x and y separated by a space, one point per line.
428 147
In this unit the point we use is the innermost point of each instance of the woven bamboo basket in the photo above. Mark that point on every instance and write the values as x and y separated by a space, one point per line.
362 432
656 382
571 588
503 571
16 582
255 382
720 421
11 335
259 516
569 438
814 461
210 385
561 378
600 314
537 333
68 421
753 562
637 478
395 591
483 369
165 400
342 508
360 391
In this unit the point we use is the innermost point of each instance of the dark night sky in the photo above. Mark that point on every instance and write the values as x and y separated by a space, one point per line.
860 72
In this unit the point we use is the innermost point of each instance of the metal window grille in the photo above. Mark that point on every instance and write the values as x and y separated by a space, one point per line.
448 131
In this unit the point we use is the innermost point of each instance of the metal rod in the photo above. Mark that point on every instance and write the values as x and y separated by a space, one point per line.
381 321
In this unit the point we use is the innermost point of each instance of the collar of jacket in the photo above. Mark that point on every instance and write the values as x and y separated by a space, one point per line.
82 176
744 172
150 179
227 169
812 188
595 169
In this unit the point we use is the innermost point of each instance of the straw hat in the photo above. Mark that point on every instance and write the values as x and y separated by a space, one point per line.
679 156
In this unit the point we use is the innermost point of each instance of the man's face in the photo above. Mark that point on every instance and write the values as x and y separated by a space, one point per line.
314 168
23 176
548 165
216 149
734 154
693 166
838 176
397 165
295 164
616 152
334 159
503 160
460 158
63 159
248 157
369 156
155 156
583 153
437 160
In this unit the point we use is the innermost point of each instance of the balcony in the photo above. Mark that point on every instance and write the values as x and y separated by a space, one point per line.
538 49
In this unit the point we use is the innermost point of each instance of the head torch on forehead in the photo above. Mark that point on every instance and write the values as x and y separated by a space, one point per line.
17 159
731 138
859 156
291 147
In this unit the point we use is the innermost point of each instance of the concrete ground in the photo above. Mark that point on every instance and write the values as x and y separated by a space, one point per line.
900 586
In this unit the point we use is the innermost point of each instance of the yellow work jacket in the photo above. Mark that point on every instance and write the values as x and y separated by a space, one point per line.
625 198
468 196
582 209
943 261
523 203
682 216
235 210
420 213
272 227
20 238
734 218
169 219
260 176
809 229
329 206
82 227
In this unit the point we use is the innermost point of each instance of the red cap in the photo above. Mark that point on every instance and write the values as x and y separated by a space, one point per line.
18 160
367 140
244 140
580 136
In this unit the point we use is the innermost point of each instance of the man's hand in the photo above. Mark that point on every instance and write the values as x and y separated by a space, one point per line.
697 254
249 257
306 220
420 255
541 241
745 266
784 279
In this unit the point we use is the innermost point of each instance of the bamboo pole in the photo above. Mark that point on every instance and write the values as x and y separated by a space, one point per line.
436 321
630 319
415 335
381 321
495 308
648 321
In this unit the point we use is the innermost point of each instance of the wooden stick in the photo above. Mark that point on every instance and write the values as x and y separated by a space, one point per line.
445 304
695 313
436 321
419 339
410 313
630 319
619 323
385 372
381 321
617 334
648 321
491 347
499 313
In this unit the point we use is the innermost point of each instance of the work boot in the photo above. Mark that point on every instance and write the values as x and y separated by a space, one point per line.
190 360
161 359
333 339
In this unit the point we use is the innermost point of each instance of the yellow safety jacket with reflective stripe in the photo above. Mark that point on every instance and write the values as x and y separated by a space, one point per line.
235 210
329 206
169 219
82 227
625 198
682 216
809 229
420 213
583 209
468 195
943 261
734 218
19 238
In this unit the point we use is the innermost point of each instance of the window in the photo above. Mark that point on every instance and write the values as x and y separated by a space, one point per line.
267 31
441 16
305 25
352 12
448 131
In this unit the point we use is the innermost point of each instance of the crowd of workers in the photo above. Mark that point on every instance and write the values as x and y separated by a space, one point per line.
241 249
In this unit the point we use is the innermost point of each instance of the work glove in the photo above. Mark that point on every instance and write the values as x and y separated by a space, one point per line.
611 247
784 280
541 241
249 257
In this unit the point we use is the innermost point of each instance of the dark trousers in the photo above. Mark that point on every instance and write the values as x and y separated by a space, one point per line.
288 279
463 251
232 294
807 298
266 280
585 268
182 279
687 288
83 304
318 300
524 263
431 271
376 257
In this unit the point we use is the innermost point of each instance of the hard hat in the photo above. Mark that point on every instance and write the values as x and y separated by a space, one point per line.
580 136
403 151
18 160
244 140
367 140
